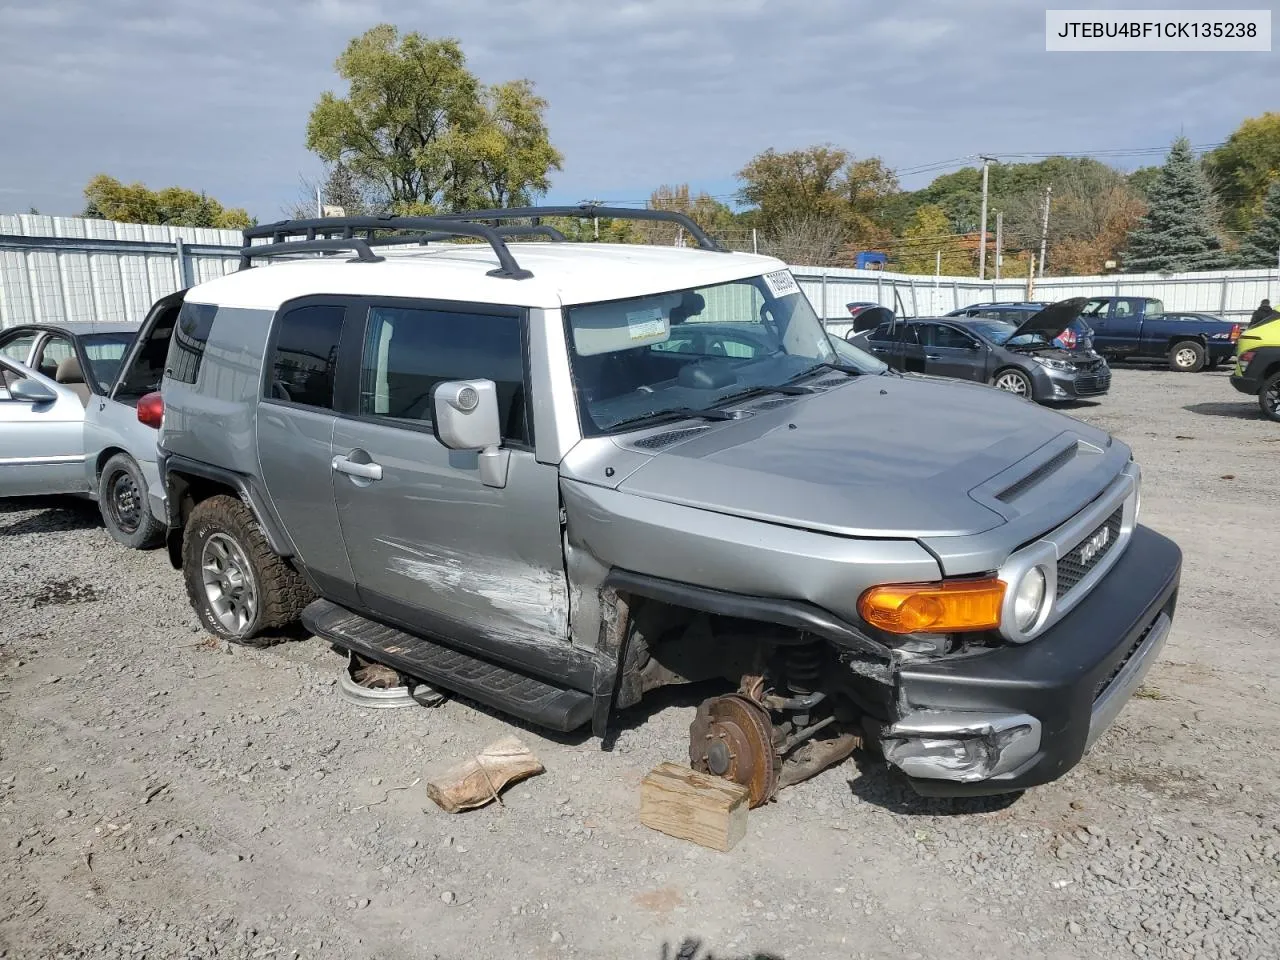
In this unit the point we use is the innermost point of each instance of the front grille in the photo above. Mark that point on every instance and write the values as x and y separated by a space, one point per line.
1110 678
1072 567
1089 385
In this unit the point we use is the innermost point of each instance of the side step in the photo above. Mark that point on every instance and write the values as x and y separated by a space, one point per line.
480 680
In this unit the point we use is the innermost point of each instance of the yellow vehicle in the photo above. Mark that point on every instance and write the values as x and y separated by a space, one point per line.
1257 369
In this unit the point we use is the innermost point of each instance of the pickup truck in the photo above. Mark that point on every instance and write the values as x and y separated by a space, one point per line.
1138 328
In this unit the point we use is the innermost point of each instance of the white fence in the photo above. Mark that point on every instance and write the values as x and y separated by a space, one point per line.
68 268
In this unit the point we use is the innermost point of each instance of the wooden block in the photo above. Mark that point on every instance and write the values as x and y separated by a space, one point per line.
693 806
479 780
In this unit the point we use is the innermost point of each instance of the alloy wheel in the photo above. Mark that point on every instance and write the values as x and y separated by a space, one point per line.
1013 383
1185 358
229 584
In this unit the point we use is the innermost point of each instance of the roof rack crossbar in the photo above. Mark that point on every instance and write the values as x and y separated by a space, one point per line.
508 267
284 248
591 211
508 231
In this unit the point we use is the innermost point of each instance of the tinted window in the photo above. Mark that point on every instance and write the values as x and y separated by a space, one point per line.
881 333
19 347
304 355
408 351
186 349
937 335
1095 308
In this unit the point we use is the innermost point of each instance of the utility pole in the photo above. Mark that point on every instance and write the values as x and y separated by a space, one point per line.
999 239
1044 227
982 250
755 245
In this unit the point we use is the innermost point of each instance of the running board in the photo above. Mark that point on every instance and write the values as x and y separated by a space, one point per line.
470 676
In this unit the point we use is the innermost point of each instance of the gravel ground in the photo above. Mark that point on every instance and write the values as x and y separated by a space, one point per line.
162 795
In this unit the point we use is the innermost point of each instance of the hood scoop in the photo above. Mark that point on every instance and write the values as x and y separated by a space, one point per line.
1041 472
659 441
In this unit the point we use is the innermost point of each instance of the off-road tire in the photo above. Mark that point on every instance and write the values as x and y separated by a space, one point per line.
1269 397
124 502
281 592
1187 356
1006 373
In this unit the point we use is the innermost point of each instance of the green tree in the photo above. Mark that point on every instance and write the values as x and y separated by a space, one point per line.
107 198
710 214
419 131
1178 231
929 232
1143 178
1261 247
1242 169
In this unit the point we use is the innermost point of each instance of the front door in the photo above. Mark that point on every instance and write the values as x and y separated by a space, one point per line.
950 352
431 546
41 444
1097 314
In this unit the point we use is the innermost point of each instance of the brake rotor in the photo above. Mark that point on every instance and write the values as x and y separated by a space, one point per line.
732 737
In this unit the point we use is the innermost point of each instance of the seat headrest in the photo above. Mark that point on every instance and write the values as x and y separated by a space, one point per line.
69 371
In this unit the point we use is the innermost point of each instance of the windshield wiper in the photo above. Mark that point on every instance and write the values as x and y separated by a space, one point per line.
679 413
787 389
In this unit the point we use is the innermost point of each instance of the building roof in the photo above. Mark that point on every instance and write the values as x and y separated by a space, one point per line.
563 273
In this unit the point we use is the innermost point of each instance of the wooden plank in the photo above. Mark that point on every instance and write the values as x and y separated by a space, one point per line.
480 779
693 806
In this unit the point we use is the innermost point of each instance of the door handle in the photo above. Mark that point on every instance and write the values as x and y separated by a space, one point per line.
365 471
932 356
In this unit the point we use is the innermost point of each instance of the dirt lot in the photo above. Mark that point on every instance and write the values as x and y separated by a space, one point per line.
161 796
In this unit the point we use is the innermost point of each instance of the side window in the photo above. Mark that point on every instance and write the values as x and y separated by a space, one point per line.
1096 309
408 351
943 336
53 351
186 348
7 378
1154 309
19 347
304 355
880 334
1125 309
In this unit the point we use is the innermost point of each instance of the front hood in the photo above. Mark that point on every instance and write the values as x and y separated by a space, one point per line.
878 457
1053 319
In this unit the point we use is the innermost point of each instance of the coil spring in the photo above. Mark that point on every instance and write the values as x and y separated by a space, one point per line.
804 668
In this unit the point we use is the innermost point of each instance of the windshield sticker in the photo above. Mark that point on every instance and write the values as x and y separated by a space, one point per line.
781 283
647 326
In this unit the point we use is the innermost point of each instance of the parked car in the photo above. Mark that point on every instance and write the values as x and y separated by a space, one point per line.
484 466
1129 328
102 445
1018 357
1078 335
1257 366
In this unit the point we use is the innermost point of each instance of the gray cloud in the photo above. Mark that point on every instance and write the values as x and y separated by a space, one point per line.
215 96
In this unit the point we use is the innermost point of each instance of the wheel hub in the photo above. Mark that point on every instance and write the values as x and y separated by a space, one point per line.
125 502
228 583
732 737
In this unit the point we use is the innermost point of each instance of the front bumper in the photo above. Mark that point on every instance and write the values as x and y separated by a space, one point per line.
1023 715
1069 385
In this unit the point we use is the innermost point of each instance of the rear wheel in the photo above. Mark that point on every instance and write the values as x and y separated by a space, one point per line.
126 505
1187 357
1269 397
236 583
1013 381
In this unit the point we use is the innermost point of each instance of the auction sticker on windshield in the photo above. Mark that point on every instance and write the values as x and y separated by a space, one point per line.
647 326
781 283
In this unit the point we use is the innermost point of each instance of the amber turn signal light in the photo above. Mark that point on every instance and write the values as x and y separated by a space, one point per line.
952 606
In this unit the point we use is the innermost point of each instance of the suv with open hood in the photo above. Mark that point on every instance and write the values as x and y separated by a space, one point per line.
553 477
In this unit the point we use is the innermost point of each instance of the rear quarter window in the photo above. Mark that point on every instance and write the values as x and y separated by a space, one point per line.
190 336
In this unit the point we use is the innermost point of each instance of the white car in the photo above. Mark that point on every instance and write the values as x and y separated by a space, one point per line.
76 417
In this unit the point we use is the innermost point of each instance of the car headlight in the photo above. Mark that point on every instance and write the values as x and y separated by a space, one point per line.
1054 364
1028 599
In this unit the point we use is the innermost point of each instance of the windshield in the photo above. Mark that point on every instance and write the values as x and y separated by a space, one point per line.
105 352
689 350
999 332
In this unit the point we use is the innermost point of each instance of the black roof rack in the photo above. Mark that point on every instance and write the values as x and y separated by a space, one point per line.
589 211
324 229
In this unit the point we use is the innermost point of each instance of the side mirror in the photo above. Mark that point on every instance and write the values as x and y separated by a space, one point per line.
27 390
465 413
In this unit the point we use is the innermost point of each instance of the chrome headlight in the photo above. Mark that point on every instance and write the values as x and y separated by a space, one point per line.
1054 364
1028 599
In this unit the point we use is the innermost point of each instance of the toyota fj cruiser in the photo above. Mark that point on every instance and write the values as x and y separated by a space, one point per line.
552 477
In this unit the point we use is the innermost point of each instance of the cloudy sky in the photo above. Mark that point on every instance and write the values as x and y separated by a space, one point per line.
214 94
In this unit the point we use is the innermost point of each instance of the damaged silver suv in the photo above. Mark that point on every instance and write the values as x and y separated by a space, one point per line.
552 477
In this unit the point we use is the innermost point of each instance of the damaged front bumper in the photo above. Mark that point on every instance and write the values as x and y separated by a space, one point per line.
1024 715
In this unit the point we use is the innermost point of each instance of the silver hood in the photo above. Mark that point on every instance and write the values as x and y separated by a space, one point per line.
885 456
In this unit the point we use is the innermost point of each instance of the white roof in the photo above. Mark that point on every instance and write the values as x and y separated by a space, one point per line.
563 273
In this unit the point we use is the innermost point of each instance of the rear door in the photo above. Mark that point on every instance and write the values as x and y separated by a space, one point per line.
951 352
41 444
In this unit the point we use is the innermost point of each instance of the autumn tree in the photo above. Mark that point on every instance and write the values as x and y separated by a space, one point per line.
929 233
710 214
421 133
1243 168
1261 247
106 198
1178 232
